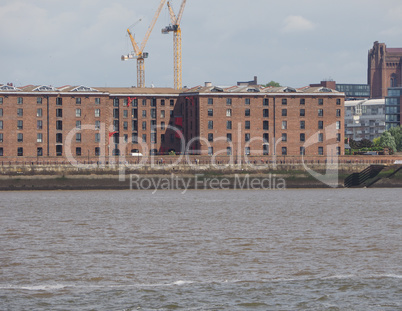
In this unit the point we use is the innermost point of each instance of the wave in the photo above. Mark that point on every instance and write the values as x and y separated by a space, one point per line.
56 287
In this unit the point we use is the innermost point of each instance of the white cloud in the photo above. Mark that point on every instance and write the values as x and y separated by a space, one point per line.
297 23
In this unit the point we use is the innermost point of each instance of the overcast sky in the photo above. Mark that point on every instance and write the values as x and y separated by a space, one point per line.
294 42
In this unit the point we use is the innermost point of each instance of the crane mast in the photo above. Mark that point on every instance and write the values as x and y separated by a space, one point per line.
177 49
140 55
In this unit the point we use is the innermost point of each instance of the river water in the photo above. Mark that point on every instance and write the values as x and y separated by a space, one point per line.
334 249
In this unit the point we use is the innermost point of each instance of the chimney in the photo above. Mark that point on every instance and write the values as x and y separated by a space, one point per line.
208 84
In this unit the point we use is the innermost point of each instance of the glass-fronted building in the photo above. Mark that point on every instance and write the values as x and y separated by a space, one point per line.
393 107
354 91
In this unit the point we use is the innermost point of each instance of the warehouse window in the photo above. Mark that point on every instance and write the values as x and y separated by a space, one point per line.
320 112
20 137
97 113
320 137
247 125
265 102
20 112
78 137
78 112
1 124
39 138
229 125
97 101
247 137
210 101
20 125
210 125
265 113
20 101
20 151
78 151
1 137
228 101
284 112
59 113
78 101
39 100
229 137
247 101
320 125
59 101
39 112
210 137
210 112
302 112
39 151
321 150
247 112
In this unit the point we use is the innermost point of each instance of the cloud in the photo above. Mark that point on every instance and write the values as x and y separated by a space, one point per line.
297 24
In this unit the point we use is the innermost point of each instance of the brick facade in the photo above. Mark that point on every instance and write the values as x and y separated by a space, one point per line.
73 123
384 69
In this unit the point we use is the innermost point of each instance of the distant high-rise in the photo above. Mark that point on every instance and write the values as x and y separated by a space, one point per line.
384 69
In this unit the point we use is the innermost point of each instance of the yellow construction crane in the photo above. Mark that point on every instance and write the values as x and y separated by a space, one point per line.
139 53
175 28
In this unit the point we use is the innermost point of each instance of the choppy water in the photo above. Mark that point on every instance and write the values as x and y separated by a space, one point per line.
205 250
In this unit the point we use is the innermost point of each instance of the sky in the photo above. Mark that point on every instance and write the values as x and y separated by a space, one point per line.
293 42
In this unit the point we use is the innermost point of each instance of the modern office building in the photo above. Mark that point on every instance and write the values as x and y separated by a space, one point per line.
85 122
364 119
393 107
354 91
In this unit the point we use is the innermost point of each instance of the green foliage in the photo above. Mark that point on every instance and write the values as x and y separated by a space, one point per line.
272 83
365 143
388 141
396 133
376 141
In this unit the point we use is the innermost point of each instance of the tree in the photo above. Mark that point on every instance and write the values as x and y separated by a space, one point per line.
388 141
376 142
272 83
365 143
396 133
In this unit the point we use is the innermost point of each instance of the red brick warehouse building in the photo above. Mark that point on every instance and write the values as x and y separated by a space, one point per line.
39 122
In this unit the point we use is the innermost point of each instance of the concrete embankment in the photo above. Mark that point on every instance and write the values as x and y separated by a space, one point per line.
68 177
181 177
